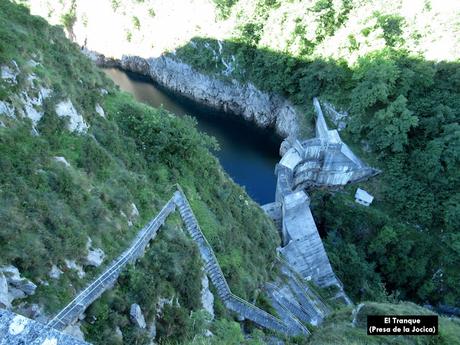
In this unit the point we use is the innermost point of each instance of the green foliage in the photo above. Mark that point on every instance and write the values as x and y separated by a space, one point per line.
69 18
115 4
392 26
224 7
389 127
136 23
326 21
250 33
136 154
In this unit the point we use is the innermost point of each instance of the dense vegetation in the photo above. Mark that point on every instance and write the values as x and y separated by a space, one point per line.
136 154
404 113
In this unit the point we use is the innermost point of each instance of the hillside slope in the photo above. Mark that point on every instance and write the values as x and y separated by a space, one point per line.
81 160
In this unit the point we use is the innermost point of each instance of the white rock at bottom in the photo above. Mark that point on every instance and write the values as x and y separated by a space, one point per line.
137 318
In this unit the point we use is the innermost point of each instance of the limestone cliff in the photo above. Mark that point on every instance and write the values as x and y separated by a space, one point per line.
265 109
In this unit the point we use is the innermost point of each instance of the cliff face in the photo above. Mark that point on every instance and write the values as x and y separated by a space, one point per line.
265 109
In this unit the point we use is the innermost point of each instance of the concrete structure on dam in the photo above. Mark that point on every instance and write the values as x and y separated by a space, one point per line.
324 161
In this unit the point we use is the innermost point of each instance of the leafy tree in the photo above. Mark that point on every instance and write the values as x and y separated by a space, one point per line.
390 126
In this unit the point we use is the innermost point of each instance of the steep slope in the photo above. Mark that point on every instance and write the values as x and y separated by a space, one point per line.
81 160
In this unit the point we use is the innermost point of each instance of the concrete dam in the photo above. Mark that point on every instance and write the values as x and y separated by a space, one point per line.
323 161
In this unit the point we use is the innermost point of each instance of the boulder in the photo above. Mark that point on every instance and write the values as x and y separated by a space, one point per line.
15 293
153 330
6 109
31 311
15 280
119 333
62 160
72 265
55 272
74 331
5 301
9 74
137 318
161 303
76 121
33 105
95 256
134 211
100 110
207 298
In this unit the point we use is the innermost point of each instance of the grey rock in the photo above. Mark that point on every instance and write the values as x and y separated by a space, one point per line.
265 109
55 272
119 333
62 160
19 330
100 110
76 121
134 211
95 256
207 298
9 74
5 301
285 146
153 329
72 265
6 109
137 318
15 293
74 331
31 311
33 105
15 280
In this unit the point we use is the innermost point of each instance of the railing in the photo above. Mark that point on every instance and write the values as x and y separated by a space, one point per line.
71 312
231 301
243 308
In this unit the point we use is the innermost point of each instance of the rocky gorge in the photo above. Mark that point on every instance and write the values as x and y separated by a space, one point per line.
266 110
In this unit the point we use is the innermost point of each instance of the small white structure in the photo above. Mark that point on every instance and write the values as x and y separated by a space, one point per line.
362 197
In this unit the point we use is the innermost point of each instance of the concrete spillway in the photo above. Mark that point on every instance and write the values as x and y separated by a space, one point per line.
324 161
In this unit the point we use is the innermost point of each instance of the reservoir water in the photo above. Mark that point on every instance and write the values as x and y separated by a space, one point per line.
247 153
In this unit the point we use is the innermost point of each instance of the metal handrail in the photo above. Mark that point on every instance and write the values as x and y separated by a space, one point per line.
262 313
108 273
99 285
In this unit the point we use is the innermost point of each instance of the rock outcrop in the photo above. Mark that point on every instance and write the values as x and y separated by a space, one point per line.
264 109
55 272
76 121
136 316
72 265
74 331
62 160
19 330
207 298
95 256
4 297
13 286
